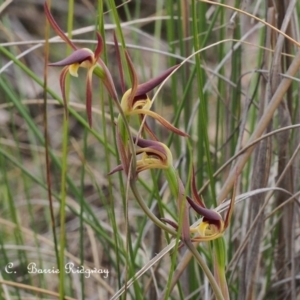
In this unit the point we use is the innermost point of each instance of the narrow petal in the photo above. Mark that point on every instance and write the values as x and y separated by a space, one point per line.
209 214
194 190
77 56
160 119
148 129
170 222
134 80
116 169
99 47
231 206
89 96
62 82
125 158
122 81
146 87
57 28
107 80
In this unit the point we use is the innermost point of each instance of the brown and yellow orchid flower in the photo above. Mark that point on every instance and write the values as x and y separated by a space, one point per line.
135 101
154 155
84 58
212 225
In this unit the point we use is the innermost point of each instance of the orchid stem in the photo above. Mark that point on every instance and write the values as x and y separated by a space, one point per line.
148 212
219 265
214 285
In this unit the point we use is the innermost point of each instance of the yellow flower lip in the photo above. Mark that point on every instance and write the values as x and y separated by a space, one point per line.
155 149
212 224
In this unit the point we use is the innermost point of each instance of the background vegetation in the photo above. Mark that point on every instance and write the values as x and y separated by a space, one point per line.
237 98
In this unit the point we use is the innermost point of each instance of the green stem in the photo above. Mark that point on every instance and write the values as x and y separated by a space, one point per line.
148 212
220 264
64 167
209 275
63 207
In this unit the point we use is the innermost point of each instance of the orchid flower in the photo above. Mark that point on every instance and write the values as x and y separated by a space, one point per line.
136 102
212 225
84 58
155 155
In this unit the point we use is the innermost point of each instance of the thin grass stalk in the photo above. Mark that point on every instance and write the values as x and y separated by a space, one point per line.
234 98
174 33
81 219
117 21
202 112
220 111
111 205
185 45
64 168
156 242
286 233
167 292
46 138
17 231
181 44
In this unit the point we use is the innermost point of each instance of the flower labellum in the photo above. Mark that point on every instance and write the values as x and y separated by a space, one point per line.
155 155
